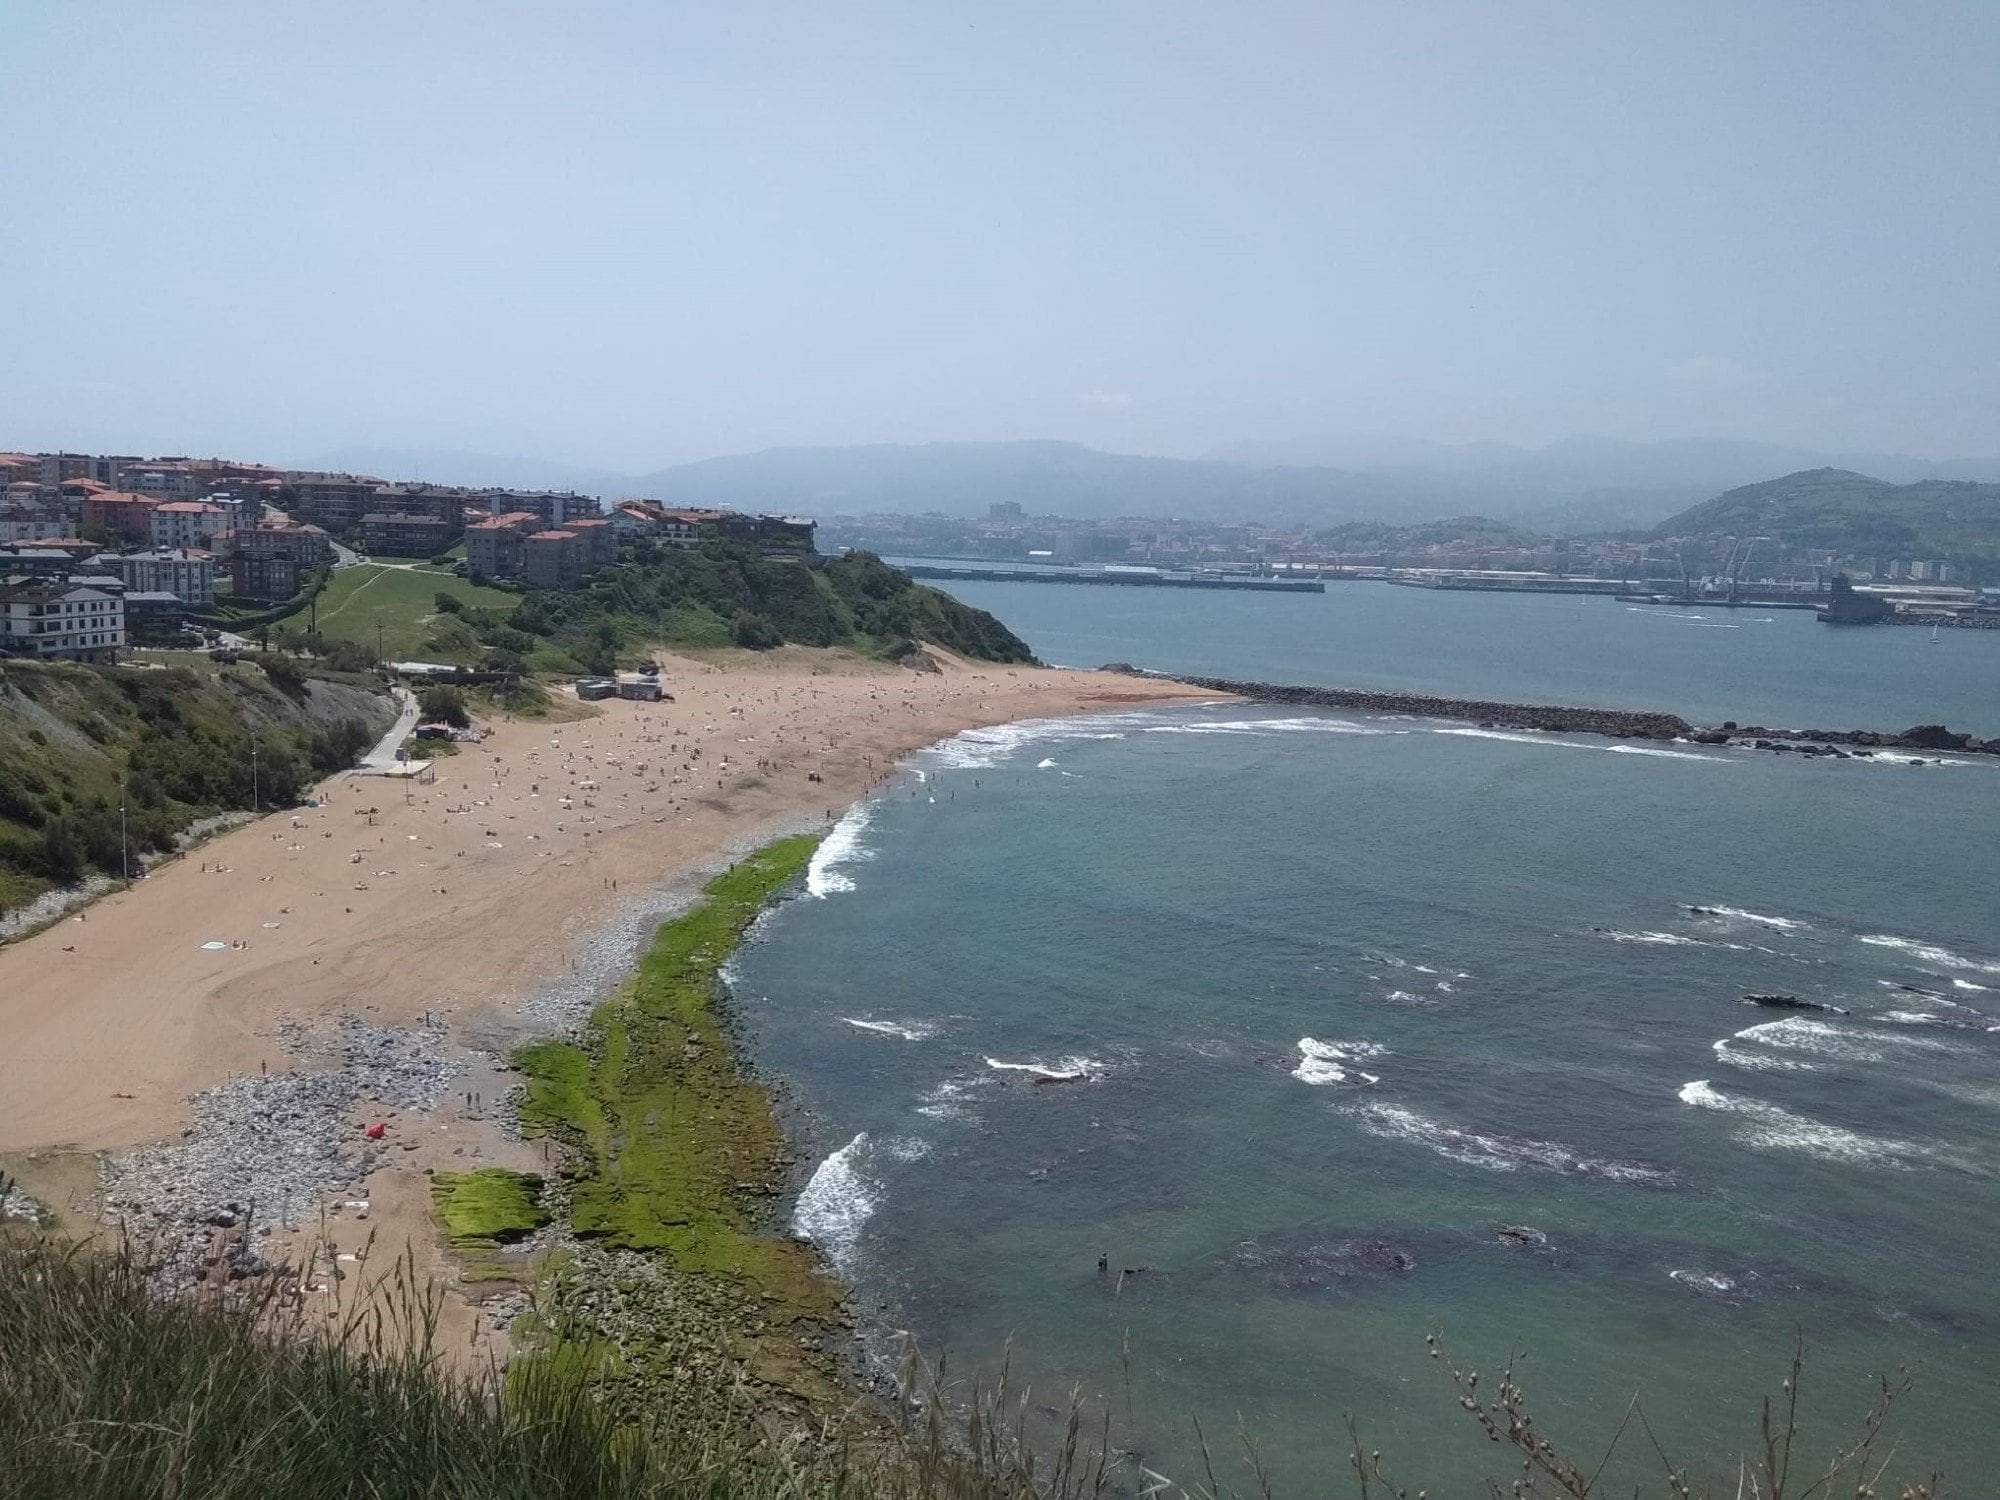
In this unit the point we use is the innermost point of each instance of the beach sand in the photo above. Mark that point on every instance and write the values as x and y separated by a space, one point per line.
393 902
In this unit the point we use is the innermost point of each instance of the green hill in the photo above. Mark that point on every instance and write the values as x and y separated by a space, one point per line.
1849 512
721 594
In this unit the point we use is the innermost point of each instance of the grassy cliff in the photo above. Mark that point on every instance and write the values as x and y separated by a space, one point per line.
177 740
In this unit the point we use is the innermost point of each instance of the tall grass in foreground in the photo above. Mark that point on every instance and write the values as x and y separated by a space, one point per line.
107 1391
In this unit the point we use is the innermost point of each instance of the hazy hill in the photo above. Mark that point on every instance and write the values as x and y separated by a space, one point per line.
1593 483
1067 479
1853 512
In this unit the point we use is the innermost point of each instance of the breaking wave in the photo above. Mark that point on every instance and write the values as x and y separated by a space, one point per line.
1499 1153
1523 738
843 1194
1771 1127
1064 1070
825 875
1321 1062
921 1031
1931 953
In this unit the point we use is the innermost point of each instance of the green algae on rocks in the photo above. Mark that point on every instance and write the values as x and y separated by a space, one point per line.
670 1146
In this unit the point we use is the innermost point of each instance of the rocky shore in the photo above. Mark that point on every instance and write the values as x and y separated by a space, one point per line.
1613 723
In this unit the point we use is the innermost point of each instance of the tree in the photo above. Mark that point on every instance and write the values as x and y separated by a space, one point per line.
441 704
448 604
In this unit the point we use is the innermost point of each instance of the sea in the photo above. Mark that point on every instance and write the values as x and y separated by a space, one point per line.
1205 1062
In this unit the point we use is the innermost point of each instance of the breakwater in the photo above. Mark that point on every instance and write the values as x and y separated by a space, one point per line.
1136 580
1615 722
1612 723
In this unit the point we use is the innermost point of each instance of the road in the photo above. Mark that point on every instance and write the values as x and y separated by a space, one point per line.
383 756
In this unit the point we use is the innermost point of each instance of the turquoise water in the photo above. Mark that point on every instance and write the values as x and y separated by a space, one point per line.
1780 668
1319 1003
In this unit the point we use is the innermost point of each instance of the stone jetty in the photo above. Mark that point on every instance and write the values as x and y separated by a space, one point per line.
1612 723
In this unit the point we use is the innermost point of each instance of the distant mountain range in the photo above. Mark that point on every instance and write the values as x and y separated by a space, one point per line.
1578 485
1850 512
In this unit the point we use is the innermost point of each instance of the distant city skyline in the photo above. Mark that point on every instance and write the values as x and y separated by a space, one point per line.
629 235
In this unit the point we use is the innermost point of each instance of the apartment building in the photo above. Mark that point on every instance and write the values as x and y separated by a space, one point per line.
188 523
165 478
335 501
553 559
274 560
53 619
187 574
493 547
123 515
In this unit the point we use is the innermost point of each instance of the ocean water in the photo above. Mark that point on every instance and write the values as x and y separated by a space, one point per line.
1780 668
1287 1015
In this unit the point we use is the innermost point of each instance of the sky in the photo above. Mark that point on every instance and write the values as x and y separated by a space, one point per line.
631 233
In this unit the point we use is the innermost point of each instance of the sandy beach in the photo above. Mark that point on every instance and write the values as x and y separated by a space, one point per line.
449 902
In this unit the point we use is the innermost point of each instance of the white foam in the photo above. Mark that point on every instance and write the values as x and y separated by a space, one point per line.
1044 764
1065 1070
985 748
842 1195
1295 725
1931 953
1771 1127
1661 939
1711 1282
1543 739
916 1033
1496 1153
1777 924
1320 1062
825 874
947 1100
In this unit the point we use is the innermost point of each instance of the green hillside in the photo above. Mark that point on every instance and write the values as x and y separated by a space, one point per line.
1851 512
179 741
725 595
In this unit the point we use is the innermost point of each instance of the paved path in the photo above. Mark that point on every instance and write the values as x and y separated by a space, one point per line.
383 756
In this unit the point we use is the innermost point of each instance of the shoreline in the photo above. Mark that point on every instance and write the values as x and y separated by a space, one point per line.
247 1065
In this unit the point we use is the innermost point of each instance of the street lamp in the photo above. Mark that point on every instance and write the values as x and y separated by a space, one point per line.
255 801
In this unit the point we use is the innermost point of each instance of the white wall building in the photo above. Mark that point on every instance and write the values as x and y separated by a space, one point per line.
54 618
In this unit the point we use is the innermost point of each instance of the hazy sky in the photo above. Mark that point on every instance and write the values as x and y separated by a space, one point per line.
639 232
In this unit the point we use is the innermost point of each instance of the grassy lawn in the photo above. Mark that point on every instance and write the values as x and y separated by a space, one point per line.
401 603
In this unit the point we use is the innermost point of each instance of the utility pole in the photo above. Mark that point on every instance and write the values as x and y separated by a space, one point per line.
124 848
256 802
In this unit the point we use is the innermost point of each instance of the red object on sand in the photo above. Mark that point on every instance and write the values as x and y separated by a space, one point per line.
376 1132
